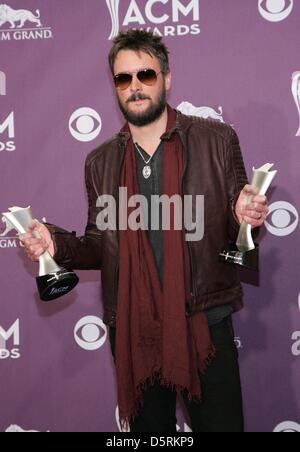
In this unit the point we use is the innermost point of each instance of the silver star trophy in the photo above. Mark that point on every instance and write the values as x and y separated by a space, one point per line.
246 253
53 281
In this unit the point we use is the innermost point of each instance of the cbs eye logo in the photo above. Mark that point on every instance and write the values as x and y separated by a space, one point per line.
287 427
85 124
90 333
275 10
284 217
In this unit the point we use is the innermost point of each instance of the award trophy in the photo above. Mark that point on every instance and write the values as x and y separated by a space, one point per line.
246 253
53 281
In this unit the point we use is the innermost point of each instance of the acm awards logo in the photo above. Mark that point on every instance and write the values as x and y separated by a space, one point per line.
7 129
6 240
201 112
7 124
10 341
2 84
163 17
275 10
21 25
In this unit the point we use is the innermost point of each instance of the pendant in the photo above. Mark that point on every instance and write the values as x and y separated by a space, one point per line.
147 172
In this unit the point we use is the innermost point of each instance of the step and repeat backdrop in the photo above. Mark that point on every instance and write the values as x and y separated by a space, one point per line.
234 61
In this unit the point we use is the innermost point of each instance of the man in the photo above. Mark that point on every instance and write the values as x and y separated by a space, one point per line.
168 301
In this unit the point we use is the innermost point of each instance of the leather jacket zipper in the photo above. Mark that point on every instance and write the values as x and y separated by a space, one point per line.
193 284
116 277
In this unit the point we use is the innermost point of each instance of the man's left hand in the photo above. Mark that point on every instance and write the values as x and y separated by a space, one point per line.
254 213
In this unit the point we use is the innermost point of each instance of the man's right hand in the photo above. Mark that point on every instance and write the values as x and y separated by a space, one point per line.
37 240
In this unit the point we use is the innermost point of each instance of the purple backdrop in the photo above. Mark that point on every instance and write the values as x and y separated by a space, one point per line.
235 61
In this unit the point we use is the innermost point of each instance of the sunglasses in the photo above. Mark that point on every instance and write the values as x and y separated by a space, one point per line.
146 76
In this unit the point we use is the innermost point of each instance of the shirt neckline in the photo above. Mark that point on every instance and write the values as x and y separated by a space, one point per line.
146 155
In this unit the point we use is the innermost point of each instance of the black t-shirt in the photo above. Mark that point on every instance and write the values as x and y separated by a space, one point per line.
154 186
149 187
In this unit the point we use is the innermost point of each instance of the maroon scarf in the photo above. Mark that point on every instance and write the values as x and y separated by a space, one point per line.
155 340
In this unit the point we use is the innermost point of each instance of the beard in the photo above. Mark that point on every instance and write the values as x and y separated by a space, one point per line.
153 112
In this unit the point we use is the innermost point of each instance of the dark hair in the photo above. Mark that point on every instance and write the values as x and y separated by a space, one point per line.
140 41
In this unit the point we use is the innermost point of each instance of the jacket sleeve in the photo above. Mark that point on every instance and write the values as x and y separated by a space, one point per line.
236 179
80 253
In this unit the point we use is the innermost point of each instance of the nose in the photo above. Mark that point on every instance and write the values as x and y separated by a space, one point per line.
136 85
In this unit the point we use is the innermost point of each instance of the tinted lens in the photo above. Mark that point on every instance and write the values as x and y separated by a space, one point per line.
148 77
123 81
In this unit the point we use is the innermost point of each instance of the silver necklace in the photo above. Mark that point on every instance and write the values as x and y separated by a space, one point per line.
147 171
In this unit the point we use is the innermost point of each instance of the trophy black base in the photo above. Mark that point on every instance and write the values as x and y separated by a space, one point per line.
247 259
56 285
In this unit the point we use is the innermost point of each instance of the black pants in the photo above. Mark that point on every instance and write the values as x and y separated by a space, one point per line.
221 408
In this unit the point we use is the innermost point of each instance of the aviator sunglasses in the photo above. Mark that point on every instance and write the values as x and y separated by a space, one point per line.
146 76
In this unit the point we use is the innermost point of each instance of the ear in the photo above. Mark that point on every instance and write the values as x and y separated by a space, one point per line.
168 79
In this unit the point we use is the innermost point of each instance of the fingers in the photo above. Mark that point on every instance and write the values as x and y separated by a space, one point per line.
36 228
35 245
255 217
35 248
35 224
27 242
253 222
37 241
250 190
263 200
34 253
255 213
24 237
260 209
257 209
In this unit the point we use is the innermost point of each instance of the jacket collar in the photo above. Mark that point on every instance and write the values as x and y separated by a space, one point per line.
183 123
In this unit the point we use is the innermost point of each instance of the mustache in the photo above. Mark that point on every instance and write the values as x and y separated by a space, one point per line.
137 96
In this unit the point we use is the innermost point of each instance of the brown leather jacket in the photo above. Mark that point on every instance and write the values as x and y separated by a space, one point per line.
214 168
